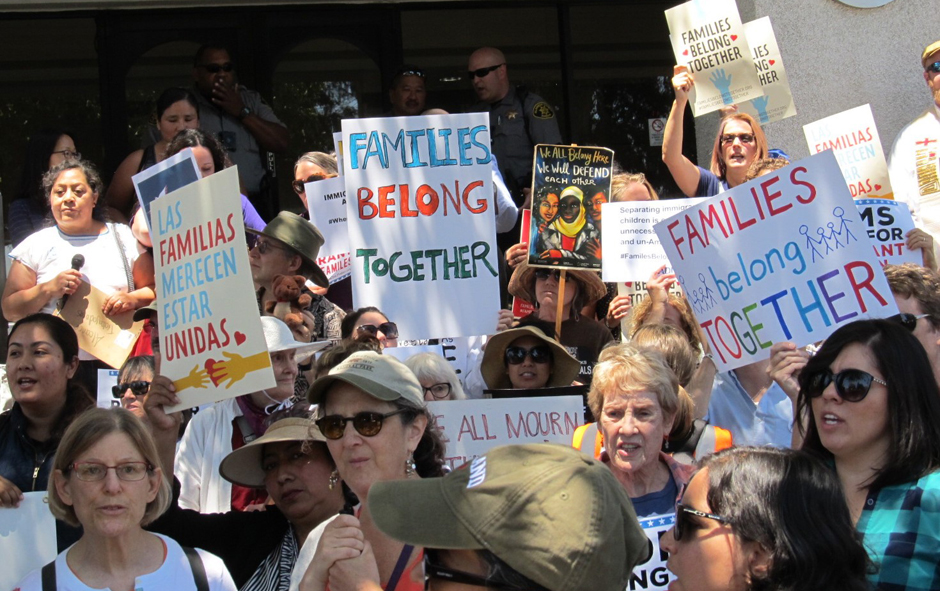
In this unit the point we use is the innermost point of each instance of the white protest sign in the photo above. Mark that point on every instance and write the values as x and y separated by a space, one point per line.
653 573
784 257
888 222
27 538
709 38
631 246
853 137
164 177
470 428
106 379
454 351
338 150
211 340
326 202
420 203
777 102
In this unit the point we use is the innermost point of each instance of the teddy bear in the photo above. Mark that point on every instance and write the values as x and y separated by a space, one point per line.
291 300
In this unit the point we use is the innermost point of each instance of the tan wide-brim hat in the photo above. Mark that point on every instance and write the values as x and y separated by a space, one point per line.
522 283
301 236
243 466
927 57
565 367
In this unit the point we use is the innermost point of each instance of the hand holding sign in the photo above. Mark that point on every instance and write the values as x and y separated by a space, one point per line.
682 82
10 494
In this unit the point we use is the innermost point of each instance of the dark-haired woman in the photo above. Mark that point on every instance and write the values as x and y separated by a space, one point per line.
42 358
176 110
370 322
872 409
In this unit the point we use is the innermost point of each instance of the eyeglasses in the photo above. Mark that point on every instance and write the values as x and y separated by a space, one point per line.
907 320
69 154
436 571
216 68
95 471
298 185
540 354
389 329
684 521
264 246
482 72
367 424
439 391
544 274
139 388
934 68
746 138
852 385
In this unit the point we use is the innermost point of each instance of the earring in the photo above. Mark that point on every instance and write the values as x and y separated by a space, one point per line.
334 478
666 443
410 466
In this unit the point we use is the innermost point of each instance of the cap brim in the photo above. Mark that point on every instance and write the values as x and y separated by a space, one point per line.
317 391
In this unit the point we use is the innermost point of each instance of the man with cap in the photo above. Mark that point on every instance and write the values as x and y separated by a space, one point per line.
527 517
407 93
289 245
916 151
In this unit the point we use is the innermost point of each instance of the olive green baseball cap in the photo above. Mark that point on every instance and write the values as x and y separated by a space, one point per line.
380 376
301 236
550 512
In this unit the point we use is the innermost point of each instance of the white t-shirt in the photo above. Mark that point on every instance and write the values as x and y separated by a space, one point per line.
175 573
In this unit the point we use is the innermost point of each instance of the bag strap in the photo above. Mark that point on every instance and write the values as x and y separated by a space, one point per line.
48 577
198 568
399 567
248 434
127 268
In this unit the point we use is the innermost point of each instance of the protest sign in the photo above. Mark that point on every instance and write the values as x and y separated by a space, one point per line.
653 573
470 428
709 38
777 102
211 340
27 538
338 150
105 396
454 351
888 222
422 222
633 250
109 338
520 306
326 202
784 257
569 184
164 177
853 137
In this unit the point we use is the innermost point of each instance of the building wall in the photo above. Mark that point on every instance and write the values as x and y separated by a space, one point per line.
838 57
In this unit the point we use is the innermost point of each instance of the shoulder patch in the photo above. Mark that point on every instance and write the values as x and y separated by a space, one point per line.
541 110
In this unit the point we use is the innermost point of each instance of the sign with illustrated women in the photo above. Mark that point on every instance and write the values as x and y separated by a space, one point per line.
569 185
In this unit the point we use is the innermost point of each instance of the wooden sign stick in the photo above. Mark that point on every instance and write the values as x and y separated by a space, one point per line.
561 304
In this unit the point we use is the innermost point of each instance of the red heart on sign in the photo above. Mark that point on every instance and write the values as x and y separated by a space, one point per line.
877 187
239 338
771 62
210 369
933 155
734 37
686 52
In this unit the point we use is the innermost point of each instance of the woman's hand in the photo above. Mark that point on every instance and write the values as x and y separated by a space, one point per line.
162 393
504 320
682 82
618 310
118 303
919 239
356 574
342 539
516 254
658 285
66 282
10 494
786 362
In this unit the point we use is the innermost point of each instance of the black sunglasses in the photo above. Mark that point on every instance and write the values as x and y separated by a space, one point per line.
934 67
540 354
367 424
907 320
389 329
482 72
684 519
216 68
139 388
437 571
746 138
298 185
544 274
852 385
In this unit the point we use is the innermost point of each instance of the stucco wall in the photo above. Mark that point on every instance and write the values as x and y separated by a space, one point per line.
838 57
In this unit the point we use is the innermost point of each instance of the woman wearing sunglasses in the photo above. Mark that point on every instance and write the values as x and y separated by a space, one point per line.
740 141
872 409
525 359
437 377
133 383
763 518
370 322
372 412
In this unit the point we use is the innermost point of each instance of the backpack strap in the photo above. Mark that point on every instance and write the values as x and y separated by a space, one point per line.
248 434
48 577
198 568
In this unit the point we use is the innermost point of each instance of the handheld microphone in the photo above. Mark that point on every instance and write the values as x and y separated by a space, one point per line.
77 262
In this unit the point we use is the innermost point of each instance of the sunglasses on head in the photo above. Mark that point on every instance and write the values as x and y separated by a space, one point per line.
139 388
367 424
907 320
852 385
544 274
684 520
389 329
934 67
216 68
482 72
298 185
539 354
728 138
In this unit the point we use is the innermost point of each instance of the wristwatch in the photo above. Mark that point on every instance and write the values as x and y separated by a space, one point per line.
246 111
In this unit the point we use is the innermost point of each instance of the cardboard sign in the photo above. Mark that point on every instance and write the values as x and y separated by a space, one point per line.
471 427
522 307
888 223
777 102
326 202
422 230
27 538
853 137
164 177
709 38
653 573
104 396
211 341
784 257
633 250
569 185
109 338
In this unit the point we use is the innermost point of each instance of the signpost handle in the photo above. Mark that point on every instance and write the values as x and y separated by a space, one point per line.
561 304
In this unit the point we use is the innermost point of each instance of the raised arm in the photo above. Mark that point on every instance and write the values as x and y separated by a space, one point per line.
684 172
